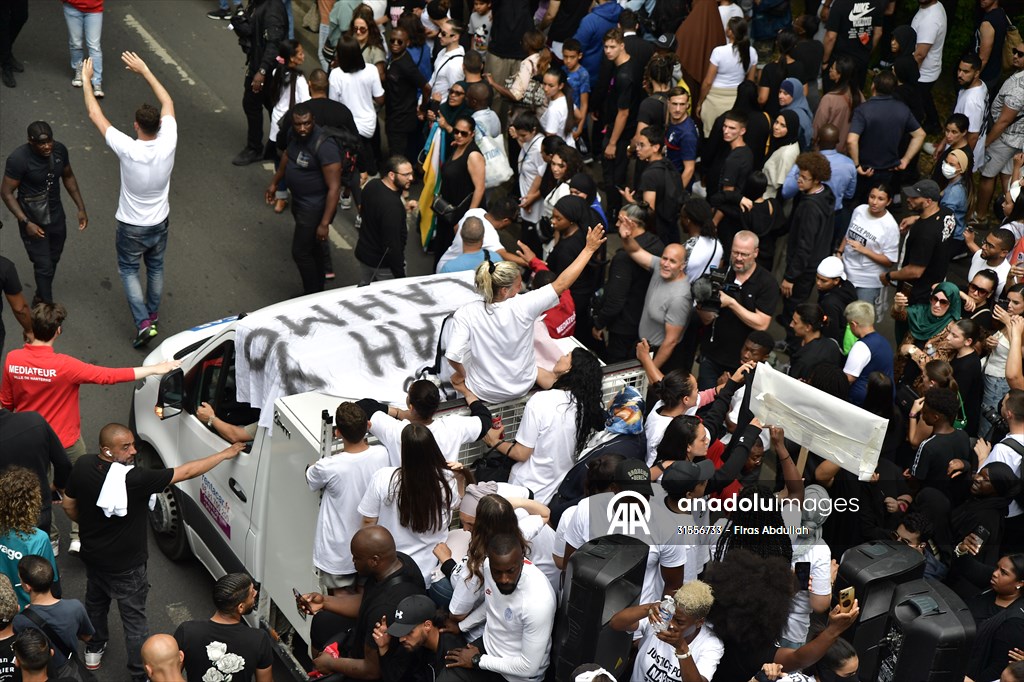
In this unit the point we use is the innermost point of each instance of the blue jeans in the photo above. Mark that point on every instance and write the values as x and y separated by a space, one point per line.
224 4
148 244
88 25
291 21
995 389
130 589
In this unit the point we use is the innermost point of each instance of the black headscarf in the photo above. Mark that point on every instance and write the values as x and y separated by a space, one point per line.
792 132
577 210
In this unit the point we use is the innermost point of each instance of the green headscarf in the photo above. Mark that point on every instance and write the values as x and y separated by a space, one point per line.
924 325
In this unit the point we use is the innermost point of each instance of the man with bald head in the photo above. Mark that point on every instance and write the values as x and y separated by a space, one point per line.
843 182
162 659
668 303
473 251
478 98
391 576
114 540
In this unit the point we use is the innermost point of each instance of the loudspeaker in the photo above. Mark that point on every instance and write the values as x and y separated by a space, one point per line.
603 577
928 637
874 569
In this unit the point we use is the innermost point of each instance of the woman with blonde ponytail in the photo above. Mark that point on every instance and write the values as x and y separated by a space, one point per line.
492 340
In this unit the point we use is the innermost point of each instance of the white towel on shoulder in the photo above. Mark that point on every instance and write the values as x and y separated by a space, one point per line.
113 499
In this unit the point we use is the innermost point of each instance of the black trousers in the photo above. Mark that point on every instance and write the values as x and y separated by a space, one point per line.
932 124
306 251
45 253
253 104
614 173
13 15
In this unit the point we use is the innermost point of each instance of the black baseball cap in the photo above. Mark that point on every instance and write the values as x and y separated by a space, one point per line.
924 189
411 612
683 476
634 475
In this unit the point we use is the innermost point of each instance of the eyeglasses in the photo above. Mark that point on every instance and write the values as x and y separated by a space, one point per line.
978 290
361 29
940 301
737 254
461 133
896 537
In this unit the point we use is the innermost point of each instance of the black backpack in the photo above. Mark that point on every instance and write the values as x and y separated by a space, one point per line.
349 145
571 489
666 16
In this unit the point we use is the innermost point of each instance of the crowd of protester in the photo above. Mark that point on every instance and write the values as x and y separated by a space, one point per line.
756 168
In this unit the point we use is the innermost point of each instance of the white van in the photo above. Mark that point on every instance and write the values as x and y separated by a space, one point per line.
287 367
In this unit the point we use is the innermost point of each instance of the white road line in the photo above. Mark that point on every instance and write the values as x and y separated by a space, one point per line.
166 57
178 612
339 241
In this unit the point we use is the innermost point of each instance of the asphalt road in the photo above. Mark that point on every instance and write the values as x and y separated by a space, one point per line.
227 252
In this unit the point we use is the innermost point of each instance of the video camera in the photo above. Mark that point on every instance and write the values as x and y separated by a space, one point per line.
707 290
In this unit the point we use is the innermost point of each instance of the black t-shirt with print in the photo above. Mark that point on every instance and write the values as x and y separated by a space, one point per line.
304 173
236 651
118 543
854 22
928 245
7 670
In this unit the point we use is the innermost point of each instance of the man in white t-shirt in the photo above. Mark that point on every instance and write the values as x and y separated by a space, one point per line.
991 254
422 401
1013 412
499 214
343 477
142 208
930 24
520 609
972 102
448 63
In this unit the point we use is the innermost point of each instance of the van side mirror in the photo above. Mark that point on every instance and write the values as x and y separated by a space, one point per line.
171 394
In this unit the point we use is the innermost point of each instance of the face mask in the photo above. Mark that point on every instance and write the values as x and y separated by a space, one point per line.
948 171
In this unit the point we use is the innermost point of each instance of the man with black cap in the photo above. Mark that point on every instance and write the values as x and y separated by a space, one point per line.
32 169
927 249
666 555
416 624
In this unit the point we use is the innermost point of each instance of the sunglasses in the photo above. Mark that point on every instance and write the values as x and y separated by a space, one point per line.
445 34
1019 53
461 133
940 301
361 29
457 92
896 537
397 41
975 288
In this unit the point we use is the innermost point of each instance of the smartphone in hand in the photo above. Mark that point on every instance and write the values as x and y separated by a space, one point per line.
846 597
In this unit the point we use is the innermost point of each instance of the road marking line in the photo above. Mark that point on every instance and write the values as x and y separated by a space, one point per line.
165 56
269 166
339 241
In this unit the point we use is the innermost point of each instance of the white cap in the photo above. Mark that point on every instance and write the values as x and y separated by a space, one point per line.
832 267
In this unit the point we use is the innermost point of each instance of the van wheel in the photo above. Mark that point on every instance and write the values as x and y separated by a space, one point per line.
165 517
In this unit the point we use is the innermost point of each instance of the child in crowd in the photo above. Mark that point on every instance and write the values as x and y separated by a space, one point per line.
480 25
579 81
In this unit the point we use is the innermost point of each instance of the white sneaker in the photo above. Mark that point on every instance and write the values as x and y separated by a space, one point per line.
94 659
346 202
76 82
56 546
75 547
928 148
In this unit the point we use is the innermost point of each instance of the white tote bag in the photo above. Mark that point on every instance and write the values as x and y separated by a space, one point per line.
497 168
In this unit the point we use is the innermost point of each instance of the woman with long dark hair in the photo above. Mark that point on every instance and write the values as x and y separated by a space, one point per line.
815 349
730 65
415 500
462 182
371 43
288 87
961 337
837 105
703 250
955 137
560 117
356 84
556 425
998 346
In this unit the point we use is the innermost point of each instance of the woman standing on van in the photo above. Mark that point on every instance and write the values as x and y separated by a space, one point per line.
415 500
492 340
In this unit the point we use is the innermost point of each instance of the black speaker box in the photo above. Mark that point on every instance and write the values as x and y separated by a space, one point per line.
928 637
603 577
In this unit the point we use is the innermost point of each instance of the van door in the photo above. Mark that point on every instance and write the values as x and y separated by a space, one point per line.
221 501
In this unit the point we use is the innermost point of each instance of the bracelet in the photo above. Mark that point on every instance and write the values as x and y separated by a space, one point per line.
683 657
209 422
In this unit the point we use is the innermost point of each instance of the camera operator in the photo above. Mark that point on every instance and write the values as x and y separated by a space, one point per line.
748 298
1009 451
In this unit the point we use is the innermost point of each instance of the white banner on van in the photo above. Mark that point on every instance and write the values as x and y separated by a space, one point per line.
368 342
827 426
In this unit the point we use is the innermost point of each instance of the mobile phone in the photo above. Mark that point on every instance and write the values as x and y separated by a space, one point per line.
904 288
846 597
1003 303
301 605
981 532
55 496
803 575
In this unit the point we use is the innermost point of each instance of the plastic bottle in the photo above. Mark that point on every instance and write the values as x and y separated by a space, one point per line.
666 609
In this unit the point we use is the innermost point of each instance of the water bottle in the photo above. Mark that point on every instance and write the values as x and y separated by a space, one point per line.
666 609
930 350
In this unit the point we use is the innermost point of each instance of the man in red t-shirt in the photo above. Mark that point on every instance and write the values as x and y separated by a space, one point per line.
37 379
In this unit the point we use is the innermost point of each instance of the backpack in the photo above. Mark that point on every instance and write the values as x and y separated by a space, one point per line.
1010 42
571 490
1017 447
349 145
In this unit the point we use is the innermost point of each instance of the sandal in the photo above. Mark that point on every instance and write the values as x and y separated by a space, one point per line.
280 205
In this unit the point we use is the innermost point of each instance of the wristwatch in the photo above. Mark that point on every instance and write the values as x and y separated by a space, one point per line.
475 661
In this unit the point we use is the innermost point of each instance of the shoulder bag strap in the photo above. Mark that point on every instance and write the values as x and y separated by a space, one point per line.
45 628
